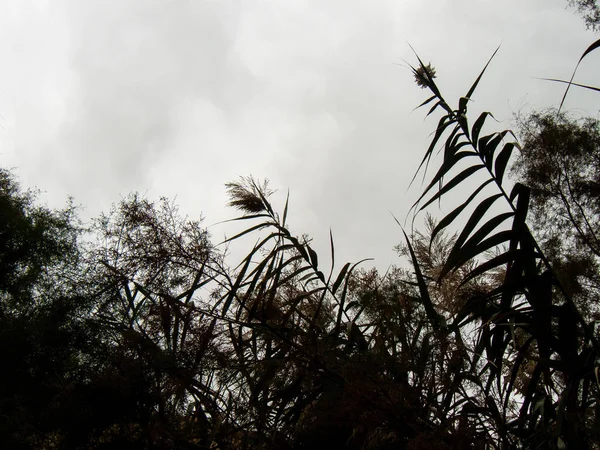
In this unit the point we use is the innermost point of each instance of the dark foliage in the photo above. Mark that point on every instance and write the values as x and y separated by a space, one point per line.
560 162
530 309
143 337
589 11
40 315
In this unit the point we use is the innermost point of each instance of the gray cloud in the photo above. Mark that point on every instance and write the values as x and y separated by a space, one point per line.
178 97
137 65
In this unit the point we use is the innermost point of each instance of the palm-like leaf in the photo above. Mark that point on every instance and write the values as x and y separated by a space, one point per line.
528 275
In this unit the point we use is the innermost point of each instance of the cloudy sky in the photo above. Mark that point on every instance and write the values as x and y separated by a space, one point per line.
176 98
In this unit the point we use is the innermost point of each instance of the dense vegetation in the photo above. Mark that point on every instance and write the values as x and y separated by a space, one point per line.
135 332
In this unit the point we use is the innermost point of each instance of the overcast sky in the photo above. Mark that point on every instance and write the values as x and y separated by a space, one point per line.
176 98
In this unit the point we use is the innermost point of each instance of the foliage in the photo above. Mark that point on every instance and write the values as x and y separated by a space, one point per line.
143 336
449 294
40 326
594 46
560 162
149 267
95 361
530 300
347 360
590 11
36 243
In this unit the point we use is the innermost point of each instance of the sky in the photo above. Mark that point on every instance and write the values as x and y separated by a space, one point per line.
177 98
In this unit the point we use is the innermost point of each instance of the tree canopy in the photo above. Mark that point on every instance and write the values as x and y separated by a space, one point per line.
560 162
137 331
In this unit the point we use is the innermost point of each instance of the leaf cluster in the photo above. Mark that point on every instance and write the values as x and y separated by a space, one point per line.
529 321
145 338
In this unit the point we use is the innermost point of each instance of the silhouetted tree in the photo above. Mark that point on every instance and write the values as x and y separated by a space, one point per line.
42 331
560 163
